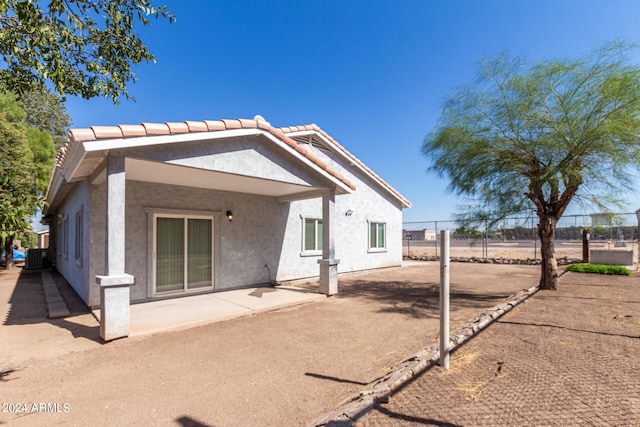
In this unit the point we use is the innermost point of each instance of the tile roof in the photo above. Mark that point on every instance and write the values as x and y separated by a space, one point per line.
95 133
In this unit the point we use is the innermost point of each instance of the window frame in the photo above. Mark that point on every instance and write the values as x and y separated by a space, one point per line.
318 236
185 216
377 248
63 230
79 236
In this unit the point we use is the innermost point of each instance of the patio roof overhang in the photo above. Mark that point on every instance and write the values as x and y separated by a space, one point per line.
86 159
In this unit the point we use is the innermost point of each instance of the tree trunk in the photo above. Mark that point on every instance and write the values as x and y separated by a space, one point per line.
547 233
8 250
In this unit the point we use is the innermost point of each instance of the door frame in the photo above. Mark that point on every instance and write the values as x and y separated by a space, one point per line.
152 215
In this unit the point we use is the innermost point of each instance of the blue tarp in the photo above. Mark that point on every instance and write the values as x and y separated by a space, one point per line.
18 255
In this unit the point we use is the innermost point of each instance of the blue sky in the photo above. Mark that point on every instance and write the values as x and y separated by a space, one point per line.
373 74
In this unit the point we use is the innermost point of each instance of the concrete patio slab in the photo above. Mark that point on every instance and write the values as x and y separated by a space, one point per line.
269 298
186 312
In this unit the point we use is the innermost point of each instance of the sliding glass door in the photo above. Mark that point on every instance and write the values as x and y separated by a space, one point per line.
183 253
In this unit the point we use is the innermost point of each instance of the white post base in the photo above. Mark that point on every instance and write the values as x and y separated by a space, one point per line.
328 276
114 306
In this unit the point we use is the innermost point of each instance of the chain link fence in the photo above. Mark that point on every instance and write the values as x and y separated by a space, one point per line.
518 237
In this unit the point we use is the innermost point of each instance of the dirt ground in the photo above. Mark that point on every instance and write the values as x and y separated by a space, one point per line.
286 367
565 357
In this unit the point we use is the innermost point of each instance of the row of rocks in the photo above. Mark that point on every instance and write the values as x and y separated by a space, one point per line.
379 390
518 261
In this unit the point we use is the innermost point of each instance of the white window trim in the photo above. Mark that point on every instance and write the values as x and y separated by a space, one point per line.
303 252
369 248
154 213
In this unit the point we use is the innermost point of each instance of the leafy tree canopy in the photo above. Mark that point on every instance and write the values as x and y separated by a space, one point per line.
18 196
46 112
26 161
536 136
81 47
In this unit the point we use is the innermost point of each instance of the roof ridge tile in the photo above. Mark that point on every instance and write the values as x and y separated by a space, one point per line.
106 132
177 127
232 124
248 124
82 134
213 125
196 126
156 128
130 131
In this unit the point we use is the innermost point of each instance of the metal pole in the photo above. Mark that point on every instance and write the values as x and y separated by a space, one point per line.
535 240
533 235
485 249
444 300
585 245
436 242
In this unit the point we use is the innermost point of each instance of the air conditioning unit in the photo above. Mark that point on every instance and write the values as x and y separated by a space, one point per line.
35 259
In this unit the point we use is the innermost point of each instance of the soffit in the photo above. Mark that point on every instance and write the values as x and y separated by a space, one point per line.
165 173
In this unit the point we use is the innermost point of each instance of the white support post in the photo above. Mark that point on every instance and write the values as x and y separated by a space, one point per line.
444 299
328 263
114 285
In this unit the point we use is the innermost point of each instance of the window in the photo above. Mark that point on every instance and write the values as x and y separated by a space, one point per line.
78 246
377 235
183 253
312 235
63 237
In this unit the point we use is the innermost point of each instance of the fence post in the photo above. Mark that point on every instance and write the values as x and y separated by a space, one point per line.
436 242
585 245
444 299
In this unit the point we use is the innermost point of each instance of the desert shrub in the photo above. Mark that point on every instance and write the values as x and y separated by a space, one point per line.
599 269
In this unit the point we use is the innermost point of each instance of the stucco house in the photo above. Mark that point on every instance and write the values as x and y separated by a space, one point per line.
141 212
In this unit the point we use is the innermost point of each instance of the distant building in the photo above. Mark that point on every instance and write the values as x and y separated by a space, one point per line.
602 219
43 239
419 235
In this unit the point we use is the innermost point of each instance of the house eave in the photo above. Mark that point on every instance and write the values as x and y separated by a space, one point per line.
352 161
85 157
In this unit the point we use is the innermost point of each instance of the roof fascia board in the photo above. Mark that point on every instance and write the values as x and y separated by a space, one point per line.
54 188
351 162
75 159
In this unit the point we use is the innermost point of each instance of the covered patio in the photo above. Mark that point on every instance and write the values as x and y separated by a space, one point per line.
181 313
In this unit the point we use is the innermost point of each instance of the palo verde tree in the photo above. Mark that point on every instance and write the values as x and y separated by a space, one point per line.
538 136
79 47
